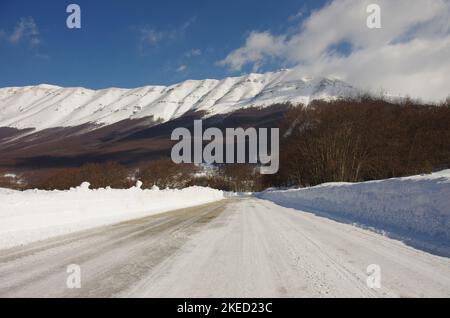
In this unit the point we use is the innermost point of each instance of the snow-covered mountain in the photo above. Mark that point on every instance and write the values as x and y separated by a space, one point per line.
46 106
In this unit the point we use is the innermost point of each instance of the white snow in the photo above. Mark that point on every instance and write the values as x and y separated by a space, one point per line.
256 248
416 208
35 215
46 106
243 247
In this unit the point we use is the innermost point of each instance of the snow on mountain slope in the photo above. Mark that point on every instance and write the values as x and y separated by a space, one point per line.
46 106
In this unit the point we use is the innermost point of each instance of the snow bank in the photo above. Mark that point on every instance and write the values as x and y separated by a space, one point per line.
417 207
34 215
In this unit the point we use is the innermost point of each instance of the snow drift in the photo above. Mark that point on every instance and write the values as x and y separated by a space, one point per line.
416 209
34 215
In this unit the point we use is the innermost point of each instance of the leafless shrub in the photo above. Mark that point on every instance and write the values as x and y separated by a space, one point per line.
164 173
361 139
99 175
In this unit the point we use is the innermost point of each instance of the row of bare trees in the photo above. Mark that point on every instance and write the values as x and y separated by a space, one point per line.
361 139
232 177
99 175
162 173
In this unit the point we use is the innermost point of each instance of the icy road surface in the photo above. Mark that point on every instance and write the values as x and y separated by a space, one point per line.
231 248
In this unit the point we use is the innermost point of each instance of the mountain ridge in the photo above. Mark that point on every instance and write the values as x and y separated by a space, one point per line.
48 106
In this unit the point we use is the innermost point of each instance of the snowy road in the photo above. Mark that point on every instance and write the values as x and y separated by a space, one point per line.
232 248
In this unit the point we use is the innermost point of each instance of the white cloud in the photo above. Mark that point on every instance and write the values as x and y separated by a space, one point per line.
258 48
151 37
26 30
186 25
181 68
410 54
193 52
300 13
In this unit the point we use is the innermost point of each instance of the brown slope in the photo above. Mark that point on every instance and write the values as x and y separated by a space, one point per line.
129 142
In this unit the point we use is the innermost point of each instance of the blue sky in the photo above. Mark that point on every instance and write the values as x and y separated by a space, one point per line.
134 43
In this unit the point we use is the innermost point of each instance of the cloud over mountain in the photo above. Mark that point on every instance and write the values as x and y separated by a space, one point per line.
409 55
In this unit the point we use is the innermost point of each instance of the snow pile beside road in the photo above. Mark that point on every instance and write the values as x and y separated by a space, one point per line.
34 215
417 207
